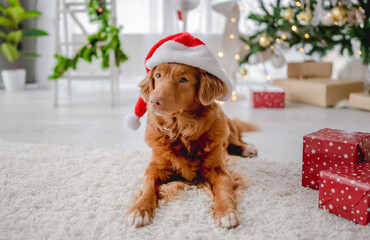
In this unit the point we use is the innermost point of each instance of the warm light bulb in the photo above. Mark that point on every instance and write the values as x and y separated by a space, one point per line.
247 47
360 52
237 57
301 50
268 77
220 54
277 40
328 15
272 47
294 28
100 10
234 97
323 41
307 36
232 36
233 20
283 36
298 4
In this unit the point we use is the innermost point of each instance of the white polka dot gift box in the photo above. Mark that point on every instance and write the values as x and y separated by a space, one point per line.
268 97
345 191
330 148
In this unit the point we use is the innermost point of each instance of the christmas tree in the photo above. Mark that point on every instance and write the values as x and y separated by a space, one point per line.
313 26
99 44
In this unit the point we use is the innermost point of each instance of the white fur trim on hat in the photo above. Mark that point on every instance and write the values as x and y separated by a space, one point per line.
198 56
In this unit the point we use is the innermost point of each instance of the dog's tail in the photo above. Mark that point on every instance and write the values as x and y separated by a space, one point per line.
245 126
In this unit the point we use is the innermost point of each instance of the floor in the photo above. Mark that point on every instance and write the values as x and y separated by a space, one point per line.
86 118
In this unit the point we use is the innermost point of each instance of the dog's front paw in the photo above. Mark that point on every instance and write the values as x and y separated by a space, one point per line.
138 218
250 151
227 220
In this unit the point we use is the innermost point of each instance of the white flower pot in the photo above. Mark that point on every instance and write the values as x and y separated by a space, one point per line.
14 80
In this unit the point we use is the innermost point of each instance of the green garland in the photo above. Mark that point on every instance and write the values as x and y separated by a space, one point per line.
320 38
107 33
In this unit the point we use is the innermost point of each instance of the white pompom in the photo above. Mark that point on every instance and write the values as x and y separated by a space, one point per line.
132 121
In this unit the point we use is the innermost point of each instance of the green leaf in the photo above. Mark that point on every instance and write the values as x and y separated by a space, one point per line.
2 7
9 52
2 34
31 14
14 37
34 33
15 13
14 3
30 55
6 22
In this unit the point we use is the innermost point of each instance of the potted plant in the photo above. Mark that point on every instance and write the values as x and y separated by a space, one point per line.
11 36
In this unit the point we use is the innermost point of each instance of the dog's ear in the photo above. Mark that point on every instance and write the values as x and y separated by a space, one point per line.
210 88
147 85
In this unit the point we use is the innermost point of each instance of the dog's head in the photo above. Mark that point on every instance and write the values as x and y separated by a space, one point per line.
171 88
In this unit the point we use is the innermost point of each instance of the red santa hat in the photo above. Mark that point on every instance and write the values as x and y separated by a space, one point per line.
179 48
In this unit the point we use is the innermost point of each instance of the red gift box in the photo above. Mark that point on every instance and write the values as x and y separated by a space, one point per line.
345 191
330 148
268 97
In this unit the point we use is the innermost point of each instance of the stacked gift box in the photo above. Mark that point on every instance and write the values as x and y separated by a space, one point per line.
310 82
360 100
338 164
268 97
345 191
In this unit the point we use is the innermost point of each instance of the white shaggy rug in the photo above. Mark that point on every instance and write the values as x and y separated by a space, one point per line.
59 192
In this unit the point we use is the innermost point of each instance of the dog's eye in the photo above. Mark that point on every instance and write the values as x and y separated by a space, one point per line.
158 75
183 80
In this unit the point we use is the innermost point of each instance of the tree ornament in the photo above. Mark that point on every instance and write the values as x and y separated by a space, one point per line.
355 17
288 14
306 15
339 13
278 60
243 72
264 40
327 20
260 56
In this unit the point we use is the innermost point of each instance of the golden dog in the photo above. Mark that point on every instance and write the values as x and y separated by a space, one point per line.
189 135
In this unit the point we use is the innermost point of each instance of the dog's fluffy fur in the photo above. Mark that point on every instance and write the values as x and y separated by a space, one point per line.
190 136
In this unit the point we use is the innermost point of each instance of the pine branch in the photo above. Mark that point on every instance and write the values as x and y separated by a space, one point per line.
321 38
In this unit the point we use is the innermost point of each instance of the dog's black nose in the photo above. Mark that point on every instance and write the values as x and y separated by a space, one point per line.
156 101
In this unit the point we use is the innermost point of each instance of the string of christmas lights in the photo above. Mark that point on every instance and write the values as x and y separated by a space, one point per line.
299 25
